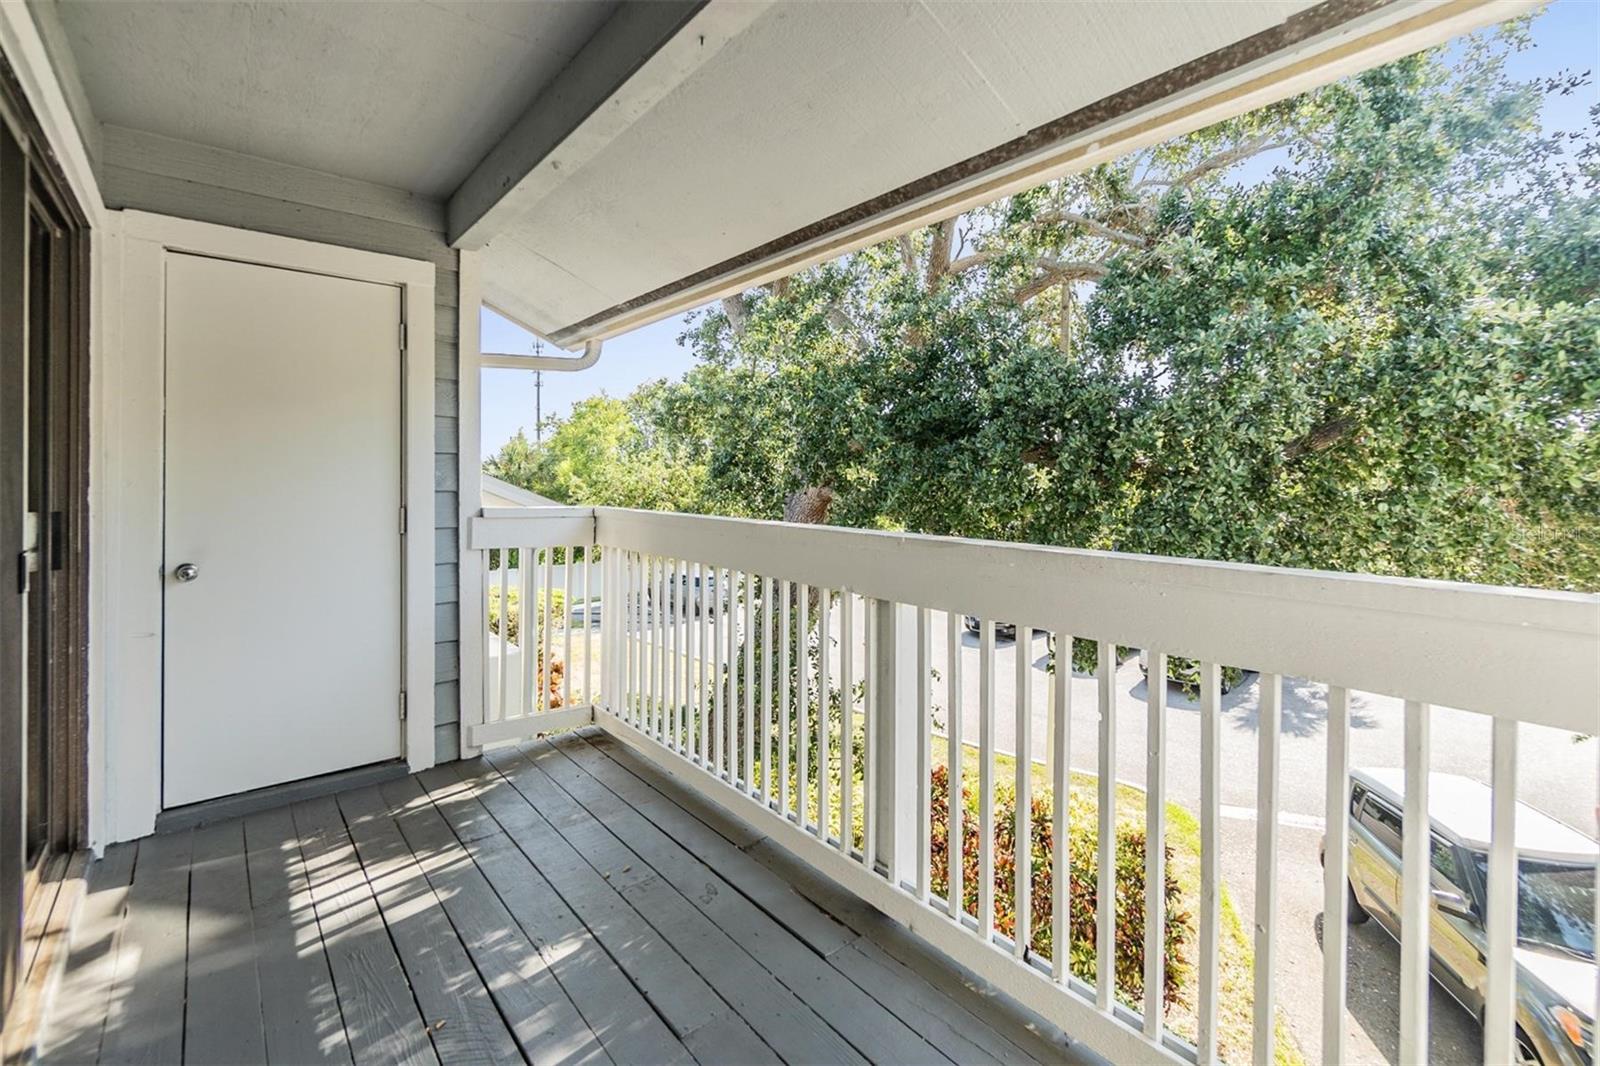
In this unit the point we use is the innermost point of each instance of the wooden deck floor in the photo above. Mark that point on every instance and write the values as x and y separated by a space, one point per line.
563 902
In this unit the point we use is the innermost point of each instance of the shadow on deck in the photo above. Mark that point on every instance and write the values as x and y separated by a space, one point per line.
559 902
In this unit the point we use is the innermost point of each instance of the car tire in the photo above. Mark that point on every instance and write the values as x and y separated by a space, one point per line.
1355 913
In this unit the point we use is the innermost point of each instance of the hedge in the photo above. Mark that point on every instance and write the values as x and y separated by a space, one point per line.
1083 855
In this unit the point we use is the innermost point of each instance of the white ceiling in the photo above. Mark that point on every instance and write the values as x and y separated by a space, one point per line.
817 107
403 94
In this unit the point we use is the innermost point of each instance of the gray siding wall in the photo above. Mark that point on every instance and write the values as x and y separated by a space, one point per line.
150 173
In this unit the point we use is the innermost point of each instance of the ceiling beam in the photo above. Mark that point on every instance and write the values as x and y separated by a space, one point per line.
641 54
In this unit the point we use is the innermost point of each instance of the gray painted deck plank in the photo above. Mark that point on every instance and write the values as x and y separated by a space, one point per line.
711 844
1036 1036
939 1017
299 1008
676 991
381 1017
223 1019
544 1022
146 1021
850 1009
785 1021
463 1021
624 1021
84 996
467 817
563 903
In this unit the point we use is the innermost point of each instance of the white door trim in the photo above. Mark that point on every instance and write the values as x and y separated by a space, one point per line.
469 496
133 417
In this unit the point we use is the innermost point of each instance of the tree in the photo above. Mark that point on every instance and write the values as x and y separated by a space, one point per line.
1359 329
606 452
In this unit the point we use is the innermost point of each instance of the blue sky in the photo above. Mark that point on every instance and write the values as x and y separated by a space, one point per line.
1565 36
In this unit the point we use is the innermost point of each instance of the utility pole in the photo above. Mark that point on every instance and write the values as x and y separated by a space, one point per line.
538 396
538 406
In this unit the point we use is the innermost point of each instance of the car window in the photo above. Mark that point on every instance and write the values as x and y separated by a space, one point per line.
1357 794
1382 822
1447 872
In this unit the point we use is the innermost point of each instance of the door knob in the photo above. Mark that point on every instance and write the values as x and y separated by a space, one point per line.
186 572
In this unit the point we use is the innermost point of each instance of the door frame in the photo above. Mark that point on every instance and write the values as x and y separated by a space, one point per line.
135 307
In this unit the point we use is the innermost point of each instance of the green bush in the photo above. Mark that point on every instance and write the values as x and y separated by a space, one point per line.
1082 896
1183 672
558 607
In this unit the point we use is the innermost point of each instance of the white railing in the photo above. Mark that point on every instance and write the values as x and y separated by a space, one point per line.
721 660
533 560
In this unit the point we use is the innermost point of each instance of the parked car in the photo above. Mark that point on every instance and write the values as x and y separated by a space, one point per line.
1003 631
1555 904
1186 672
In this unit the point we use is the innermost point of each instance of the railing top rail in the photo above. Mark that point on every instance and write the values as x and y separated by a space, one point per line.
531 527
1530 654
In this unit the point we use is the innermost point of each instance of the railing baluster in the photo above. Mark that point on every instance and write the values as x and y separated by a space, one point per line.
634 647
767 619
675 655
1022 849
1269 720
1210 860
666 663
824 711
737 682
588 625
718 702
730 710
548 576
1415 897
1500 1000
1336 875
847 711
1155 835
751 582
924 753
608 621
802 706
683 660
660 610
1061 794
986 690
784 615
702 696
869 751
647 687
956 842
528 627
503 624
1105 924
566 626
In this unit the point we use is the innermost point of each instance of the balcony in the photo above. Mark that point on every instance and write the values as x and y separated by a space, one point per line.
729 851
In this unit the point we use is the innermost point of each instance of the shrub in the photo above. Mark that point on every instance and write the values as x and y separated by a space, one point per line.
550 679
1083 891
558 607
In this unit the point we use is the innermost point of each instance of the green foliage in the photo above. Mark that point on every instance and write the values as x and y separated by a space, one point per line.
606 452
1082 896
558 604
1358 330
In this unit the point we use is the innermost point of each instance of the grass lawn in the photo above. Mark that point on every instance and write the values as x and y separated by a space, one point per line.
1183 835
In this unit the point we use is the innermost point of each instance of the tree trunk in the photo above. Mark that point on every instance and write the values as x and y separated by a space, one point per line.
809 506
